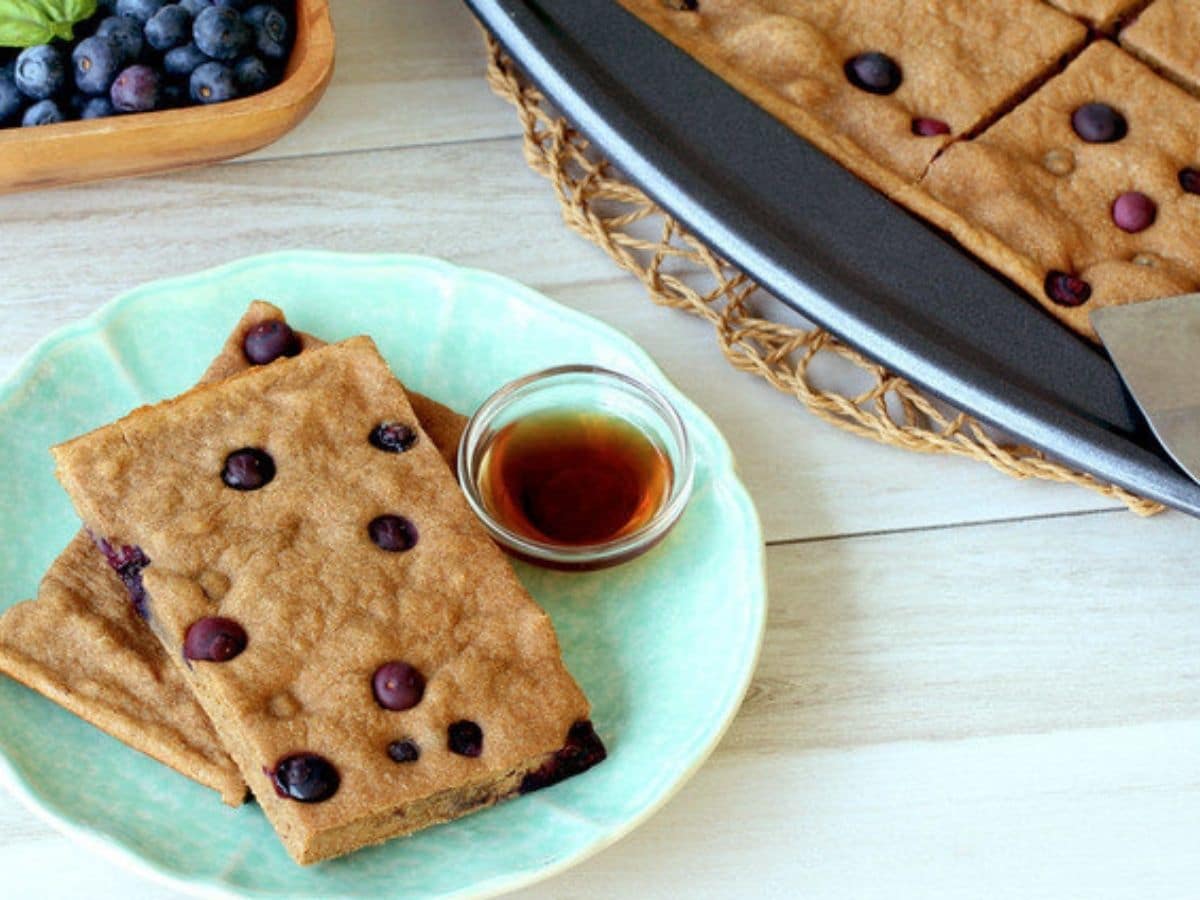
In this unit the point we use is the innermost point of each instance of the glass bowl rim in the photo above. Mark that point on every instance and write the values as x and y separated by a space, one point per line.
600 554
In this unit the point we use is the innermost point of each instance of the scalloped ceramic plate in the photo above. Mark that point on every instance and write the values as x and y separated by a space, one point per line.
631 635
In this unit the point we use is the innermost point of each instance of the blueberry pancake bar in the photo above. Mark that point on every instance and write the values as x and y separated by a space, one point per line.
364 651
1167 36
879 85
83 645
1088 193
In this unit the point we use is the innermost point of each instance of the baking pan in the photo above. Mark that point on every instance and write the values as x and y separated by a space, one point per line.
830 246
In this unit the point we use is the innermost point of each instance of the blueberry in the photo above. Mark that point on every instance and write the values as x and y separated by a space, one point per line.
184 60
251 75
96 108
269 340
96 61
582 750
393 533
254 15
40 72
106 8
397 685
213 639
1133 211
194 6
271 35
465 738
131 577
239 5
306 777
212 82
874 72
11 100
126 34
170 27
44 112
128 561
122 557
220 32
404 751
1066 289
141 11
135 90
248 469
924 126
1099 123
1189 179
392 437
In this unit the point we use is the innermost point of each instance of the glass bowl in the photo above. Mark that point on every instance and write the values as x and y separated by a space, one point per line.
584 389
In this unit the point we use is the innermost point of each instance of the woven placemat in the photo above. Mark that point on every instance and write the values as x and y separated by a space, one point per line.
679 271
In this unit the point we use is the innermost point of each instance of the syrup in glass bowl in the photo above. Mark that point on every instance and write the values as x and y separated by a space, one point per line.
576 467
574 477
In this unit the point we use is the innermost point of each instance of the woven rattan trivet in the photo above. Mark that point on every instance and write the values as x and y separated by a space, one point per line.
679 271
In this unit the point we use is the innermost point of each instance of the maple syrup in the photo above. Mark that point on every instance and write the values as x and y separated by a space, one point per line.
574 477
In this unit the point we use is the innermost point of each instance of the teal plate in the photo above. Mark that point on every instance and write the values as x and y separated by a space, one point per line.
664 646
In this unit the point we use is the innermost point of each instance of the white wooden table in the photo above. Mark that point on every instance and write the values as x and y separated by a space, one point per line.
970 686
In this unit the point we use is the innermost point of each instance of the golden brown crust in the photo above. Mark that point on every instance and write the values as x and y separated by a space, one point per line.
789 56
1103 15
1167 36
322 605
1029 196
81 645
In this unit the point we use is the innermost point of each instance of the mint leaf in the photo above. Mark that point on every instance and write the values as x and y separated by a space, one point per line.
24 23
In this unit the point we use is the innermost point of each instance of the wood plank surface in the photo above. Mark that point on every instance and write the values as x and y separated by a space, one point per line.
970 686
406 73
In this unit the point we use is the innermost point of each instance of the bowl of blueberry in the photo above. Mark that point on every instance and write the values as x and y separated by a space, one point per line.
101 88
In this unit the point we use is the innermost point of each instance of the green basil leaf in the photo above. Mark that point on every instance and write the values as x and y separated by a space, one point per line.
63 14
23 23
70 11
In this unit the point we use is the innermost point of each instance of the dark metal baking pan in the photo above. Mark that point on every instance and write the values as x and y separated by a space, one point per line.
827 244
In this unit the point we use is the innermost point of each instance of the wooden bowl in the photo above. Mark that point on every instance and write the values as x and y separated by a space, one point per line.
139 143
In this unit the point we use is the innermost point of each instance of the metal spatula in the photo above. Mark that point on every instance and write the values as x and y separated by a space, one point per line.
1156 348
